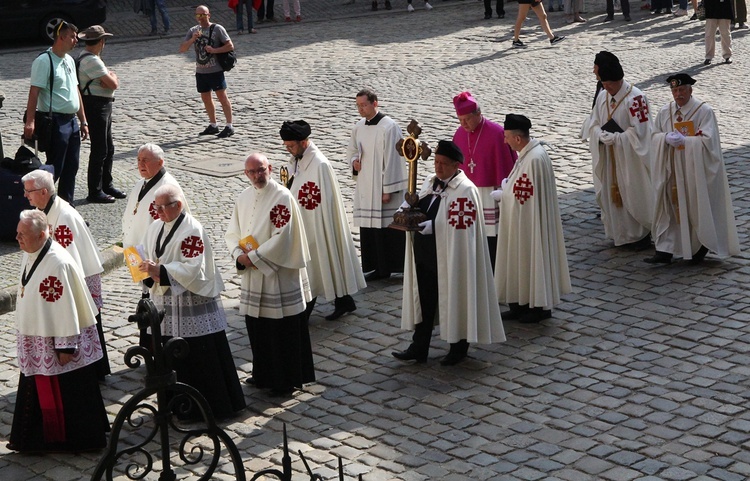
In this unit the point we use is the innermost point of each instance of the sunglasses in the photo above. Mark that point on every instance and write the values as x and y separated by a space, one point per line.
201 15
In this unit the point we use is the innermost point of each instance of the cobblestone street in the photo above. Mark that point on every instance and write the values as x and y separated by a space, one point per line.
642 374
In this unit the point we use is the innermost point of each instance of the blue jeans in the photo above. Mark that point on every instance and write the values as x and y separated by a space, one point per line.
249 9
164 15
64 153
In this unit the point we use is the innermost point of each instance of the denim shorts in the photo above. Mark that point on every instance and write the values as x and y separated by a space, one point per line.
207 82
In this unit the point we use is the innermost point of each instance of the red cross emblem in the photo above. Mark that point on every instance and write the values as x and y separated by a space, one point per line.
280 215
309 196
51 289
192 246
63 235
152 211
522 189
639 109
462 213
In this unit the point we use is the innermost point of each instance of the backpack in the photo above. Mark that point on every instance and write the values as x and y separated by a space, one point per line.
226 60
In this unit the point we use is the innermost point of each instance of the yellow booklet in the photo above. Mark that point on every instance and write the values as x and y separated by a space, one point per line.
248 244
133 258
686 128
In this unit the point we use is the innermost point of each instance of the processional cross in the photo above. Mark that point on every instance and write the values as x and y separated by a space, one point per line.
408 219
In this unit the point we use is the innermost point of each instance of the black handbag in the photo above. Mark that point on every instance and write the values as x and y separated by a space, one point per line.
43 120
226 60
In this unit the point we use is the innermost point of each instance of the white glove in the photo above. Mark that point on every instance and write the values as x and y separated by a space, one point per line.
426 227
504 183
497 195
607 138
404 205
675 139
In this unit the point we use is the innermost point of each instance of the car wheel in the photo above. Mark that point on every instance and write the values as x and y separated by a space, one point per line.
49 25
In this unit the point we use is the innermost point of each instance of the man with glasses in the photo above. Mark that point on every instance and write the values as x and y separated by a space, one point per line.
186 285
63 99
266 238
68 229
209 39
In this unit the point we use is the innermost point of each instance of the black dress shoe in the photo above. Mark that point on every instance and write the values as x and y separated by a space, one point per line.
659 258
250 380
100 198
699 256
515 312
535 315
342 305
283 392
452 359
116 193
409 356
639 245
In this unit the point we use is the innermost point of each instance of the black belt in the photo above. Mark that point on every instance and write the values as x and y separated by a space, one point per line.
65 117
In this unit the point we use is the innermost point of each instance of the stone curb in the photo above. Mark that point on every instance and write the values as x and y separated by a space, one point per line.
111 260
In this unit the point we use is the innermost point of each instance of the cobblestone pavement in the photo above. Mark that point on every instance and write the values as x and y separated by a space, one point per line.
641 374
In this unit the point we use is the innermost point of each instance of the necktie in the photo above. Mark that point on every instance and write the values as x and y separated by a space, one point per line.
612 102
438 184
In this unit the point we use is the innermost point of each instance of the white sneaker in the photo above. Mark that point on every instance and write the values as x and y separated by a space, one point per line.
427 6
409 8
680 13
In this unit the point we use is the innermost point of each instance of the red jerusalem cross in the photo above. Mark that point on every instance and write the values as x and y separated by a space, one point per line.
280 216
462 213
639 109
192 246
309 195
63 235
522 189
51 289
152 211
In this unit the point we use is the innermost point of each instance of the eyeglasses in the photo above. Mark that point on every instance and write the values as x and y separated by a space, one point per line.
162 207
249 172
32 190
201 15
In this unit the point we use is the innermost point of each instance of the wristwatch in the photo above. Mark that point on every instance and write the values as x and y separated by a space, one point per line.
85 124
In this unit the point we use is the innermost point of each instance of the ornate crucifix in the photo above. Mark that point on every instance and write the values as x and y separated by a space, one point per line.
408 219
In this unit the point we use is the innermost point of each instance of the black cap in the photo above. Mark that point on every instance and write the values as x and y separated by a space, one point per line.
680 79
517 122
295 130
449 149
610 69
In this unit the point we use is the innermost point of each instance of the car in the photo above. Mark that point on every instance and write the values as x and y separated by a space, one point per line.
39 18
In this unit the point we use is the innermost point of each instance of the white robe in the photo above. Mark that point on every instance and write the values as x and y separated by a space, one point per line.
135 222
192 302
704 202
334 269
54 310
530 236
70 231
278 287
467 305
632 161
383 171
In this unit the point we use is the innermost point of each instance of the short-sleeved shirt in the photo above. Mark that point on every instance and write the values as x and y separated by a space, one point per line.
65 84
204 61
92 68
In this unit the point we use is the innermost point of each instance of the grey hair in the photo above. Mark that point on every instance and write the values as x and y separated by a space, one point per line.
41 180
36 218
172 192
154 149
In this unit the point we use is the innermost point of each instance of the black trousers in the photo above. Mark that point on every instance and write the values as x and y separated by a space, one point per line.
500 7
611 8
382 250
265 10
99 116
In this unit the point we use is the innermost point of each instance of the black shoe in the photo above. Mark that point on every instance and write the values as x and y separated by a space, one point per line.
284 392
375 275
699 256
210 130
409 356
728 60
500 15
556 39
227 132
343 305
452 358
659 258
487 16
627 18
116 193
387 5
640 245
535 315
100 198
707 61
608 18
515 312
250 380
694 17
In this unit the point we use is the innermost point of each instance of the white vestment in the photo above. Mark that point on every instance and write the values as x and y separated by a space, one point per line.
467 305
334 269
70 231
383 171
139 214
530 236
700 211
622 170
192 300
277 287
54 310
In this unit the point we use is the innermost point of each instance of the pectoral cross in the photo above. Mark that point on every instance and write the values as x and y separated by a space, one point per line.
472 164
679 115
